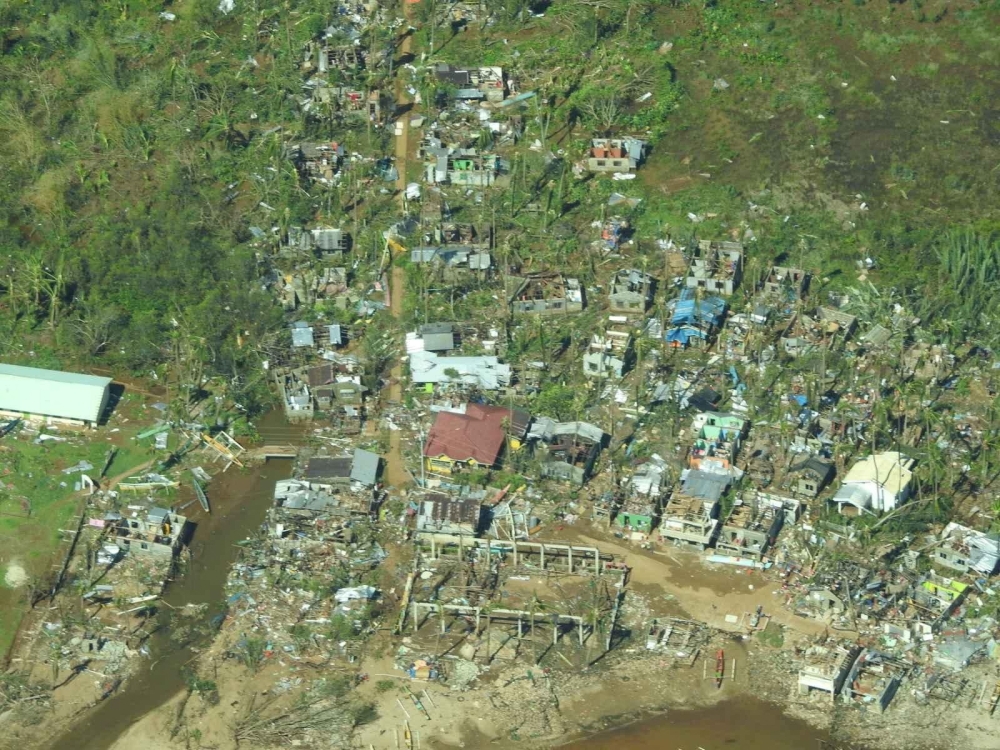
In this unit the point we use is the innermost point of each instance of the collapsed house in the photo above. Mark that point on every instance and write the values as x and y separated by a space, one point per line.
568 450
872 681
316 162
347 101
826 328
623 155
546 294
716 267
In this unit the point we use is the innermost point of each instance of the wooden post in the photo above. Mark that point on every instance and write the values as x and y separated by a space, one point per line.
541 551
555 629
515 552
597 561
569 558
580 629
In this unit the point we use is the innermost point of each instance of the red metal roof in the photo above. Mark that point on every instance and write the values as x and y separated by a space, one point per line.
478 434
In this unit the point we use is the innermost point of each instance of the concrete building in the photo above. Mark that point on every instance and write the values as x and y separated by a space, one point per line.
615 154
159 534
811 476
967 550
750 528
549 294
631 292
825 669
610 354
716 267
876 484
691 513
61 396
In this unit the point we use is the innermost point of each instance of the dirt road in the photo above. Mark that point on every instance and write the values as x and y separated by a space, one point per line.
396 473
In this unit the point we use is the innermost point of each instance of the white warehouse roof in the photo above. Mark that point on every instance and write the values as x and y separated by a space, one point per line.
51 393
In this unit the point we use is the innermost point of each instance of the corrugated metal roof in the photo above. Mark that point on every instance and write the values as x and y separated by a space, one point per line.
365 467
52 393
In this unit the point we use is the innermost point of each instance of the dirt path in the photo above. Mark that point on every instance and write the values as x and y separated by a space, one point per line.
707 594
396 473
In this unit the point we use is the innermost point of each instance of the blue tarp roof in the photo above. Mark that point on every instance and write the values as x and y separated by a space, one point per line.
691 311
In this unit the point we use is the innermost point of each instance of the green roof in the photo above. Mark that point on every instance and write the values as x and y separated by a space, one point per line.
52 393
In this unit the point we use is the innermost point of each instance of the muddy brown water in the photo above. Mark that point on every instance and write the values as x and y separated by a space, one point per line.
738 724
239 501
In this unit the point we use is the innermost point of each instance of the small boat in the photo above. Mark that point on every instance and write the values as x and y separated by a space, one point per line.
407 737
720 667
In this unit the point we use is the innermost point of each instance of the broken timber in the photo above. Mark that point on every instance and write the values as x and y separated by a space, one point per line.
226 447
554 556
202 498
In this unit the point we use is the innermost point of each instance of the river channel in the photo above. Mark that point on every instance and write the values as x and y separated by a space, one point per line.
738 724
239 501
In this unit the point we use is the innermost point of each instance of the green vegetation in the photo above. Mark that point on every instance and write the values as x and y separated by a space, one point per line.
773 635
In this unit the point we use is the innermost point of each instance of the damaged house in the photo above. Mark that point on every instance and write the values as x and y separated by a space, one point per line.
691 512
447 514
785 284
716 267
486 373
751 527
622 155
826 668
451 165
568 450
643 491
631 292
329 243
454 263
610 354
474 438
345 58
546 294
694 321
160 533
718 441
967 550
485 83
875 484
811 476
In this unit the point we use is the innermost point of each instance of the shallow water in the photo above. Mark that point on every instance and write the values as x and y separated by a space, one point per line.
239 500
738 724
